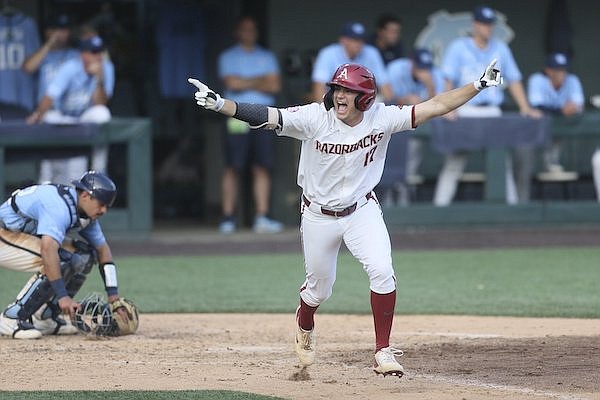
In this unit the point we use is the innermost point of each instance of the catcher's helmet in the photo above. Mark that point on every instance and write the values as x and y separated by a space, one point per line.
94 317
354 77
98 186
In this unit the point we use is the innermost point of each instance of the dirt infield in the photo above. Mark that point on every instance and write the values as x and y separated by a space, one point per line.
446 357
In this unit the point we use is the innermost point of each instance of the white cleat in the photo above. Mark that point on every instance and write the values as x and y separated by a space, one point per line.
305 344
50 326
386 363
18 329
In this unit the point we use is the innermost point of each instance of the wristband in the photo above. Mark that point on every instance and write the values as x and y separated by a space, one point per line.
59 288
109 273
112 291
478 85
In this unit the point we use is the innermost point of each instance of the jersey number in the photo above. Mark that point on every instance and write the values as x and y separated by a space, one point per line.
12 56
369 156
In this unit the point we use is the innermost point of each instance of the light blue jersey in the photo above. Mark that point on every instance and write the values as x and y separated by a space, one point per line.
464 62
19 38
403 83
50 66
541 93
72 89
236 61
43 210
334 55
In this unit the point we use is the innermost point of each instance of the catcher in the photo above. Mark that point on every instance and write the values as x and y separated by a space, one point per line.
53 231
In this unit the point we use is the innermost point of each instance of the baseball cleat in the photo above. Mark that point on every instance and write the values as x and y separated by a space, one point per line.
305 344
18 329
58 326
386 363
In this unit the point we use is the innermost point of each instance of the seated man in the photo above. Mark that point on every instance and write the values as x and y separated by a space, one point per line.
79 93
558 92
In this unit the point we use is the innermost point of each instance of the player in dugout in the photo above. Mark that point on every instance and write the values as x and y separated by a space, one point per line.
344 144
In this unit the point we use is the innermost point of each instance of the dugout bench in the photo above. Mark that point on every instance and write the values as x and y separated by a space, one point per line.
134 217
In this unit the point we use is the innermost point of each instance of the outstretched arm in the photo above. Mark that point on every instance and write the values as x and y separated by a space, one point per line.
451 100
257 115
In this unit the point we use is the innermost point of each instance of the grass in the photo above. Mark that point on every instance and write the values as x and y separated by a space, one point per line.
517 282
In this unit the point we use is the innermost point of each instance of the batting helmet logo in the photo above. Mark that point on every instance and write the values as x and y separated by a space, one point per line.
357 78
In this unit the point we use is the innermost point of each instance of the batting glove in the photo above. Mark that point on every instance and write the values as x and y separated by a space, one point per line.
205 97
491 77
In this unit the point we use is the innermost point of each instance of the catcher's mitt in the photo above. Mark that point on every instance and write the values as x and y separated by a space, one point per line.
96 317
125 316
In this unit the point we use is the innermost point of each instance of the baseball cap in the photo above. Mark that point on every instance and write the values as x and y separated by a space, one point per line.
354 30
557 61
484 14
422 58
58 21
94 44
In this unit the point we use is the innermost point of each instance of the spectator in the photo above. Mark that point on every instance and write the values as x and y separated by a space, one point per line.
556 92
79 93
19 37
350 48
53 53
413 81
387 38
463 61
250 73
45 62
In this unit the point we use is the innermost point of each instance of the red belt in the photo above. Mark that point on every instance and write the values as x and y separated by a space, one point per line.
343 213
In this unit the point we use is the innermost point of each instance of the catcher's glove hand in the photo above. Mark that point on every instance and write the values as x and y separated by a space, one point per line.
125 317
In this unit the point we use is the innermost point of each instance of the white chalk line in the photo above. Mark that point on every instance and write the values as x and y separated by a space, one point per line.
496 386
461 335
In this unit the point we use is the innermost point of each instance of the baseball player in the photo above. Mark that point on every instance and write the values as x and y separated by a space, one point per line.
37 224
463 59
555 91
79 93
344 143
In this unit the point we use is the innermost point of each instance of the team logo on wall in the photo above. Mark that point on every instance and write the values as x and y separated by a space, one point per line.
443 27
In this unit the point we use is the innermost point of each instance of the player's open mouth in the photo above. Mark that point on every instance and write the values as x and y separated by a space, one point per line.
342 107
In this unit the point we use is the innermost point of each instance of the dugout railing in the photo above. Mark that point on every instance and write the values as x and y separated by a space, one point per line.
132 214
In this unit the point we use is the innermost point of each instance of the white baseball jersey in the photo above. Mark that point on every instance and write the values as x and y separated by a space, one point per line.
340 164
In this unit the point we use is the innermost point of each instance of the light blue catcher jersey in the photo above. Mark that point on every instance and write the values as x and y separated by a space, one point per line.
43 210
541 93
72 89
403 83
464 63
334 55
19 38
236 61
50 66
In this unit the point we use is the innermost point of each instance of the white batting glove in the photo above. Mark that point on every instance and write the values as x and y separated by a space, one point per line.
205 97
490 77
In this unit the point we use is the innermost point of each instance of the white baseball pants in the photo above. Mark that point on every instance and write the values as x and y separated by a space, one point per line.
365 235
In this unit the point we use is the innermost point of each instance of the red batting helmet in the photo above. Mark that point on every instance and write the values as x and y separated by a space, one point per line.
354 77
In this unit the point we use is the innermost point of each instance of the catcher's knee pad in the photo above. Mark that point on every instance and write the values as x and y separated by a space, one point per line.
34 294
75 266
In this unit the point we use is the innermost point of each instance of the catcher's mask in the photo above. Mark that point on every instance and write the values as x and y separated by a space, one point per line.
94 317
98 186
353 77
